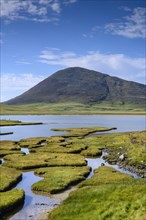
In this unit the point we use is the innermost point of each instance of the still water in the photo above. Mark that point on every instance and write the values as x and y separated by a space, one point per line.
122 123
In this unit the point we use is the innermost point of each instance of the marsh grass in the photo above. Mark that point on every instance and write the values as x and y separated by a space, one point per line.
8 152
37 160
108 194
57 179
130 144
9 147
81 132
10 200
59 148
9 177
39 141
16 122
97 199
107 175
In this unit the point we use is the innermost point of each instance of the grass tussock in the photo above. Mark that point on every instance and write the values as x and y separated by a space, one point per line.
37 160
57 179
9 177
9 147
10 200
40 141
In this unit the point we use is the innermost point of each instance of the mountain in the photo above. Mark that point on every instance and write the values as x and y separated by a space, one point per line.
81 85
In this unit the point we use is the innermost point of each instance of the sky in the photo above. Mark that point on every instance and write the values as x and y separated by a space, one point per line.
40 37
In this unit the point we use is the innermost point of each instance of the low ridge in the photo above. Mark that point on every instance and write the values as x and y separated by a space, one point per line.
81 85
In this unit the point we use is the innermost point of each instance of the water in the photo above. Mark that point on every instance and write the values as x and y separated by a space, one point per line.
32 208
96 163
121 122
35 206
25 150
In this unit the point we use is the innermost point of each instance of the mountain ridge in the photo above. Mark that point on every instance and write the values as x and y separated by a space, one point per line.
76 84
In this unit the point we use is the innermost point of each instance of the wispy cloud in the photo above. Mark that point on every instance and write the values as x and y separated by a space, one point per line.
114 64
13 84
131 26
38 11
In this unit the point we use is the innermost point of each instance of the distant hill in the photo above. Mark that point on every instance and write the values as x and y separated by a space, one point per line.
81 85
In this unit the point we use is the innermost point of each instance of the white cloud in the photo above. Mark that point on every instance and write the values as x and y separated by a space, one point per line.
13 84
113 64
39 10
132 26
56 7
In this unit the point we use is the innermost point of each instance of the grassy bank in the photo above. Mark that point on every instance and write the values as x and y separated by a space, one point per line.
107 195
10 200
72 108
81 132
57 179
9 147
9 177
37 160
16 122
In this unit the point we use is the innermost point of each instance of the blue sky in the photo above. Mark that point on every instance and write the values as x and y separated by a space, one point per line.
39 37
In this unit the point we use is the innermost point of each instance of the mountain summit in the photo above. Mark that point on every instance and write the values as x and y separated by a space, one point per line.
81 85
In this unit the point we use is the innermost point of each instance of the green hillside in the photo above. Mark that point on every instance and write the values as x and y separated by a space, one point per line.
84 86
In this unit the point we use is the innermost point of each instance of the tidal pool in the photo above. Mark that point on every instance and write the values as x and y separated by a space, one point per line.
97 162
36 207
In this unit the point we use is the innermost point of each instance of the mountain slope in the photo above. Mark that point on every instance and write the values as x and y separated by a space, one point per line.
84 86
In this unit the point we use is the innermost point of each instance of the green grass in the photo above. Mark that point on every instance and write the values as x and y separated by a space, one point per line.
9 177
9 147
37 160
14 123
71 108
10 200
97 199
38 141
130 144
81 132
107 195
59 145
107 175
59 148
57 179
